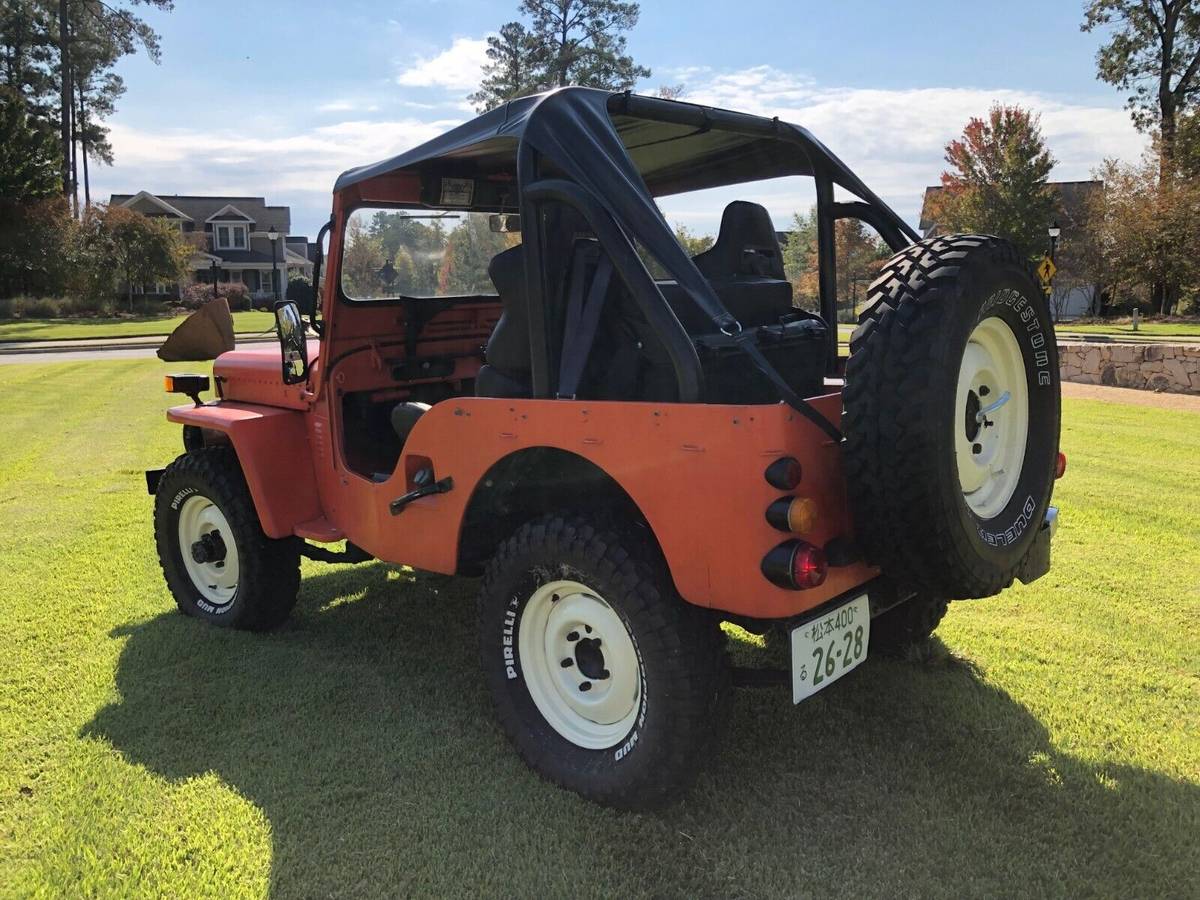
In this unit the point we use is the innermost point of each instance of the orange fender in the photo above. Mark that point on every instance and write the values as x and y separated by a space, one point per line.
272 447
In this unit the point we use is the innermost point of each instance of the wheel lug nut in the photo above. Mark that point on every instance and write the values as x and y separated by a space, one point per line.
587 628
586 686
573 636
554 598
977 449
603 675
984 390
567 663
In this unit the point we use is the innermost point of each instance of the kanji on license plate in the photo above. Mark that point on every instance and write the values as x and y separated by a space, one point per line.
827 647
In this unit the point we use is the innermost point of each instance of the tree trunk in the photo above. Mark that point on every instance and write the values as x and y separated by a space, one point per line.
64 54
87 189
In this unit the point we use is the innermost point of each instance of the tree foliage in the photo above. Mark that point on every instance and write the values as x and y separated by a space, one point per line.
28 154
1153 52
565 42
99 33
1145 232
136 249
997 182
860 252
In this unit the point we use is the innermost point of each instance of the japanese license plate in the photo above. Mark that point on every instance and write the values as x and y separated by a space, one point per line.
827 647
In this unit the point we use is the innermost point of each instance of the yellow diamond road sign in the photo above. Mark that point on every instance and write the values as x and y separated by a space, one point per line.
1046 270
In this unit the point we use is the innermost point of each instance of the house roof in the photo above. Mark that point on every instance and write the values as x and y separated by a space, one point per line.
1073 198
227 213
146 196
201 209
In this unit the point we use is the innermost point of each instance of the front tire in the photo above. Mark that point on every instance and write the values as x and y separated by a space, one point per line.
217 562
603 678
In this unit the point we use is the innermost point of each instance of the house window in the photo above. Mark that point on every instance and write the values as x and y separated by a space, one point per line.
231 237
264 281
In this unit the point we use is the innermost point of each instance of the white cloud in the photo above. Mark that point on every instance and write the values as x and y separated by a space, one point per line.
895 139
456 68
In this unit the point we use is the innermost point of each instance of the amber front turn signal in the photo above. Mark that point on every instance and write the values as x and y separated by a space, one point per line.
191 385
795 514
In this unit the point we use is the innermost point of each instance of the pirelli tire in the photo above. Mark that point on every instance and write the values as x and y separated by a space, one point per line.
217 562
952 413
605 680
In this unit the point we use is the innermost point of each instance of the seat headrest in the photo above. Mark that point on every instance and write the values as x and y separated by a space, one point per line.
745 245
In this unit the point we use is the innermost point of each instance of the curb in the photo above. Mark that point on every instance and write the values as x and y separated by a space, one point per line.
85 345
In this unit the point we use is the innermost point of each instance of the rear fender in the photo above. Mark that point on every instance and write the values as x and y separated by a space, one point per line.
272 448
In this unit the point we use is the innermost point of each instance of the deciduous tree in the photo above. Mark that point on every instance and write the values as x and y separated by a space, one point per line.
1153 52
997 182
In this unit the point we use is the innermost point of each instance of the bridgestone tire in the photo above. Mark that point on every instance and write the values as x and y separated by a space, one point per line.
902 416
679 650
268 579
906 625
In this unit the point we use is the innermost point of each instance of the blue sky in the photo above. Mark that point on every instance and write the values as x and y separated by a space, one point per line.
274 99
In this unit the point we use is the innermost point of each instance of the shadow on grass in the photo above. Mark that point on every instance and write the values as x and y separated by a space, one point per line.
362 731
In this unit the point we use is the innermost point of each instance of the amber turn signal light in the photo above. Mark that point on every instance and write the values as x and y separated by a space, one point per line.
191 385
1060 466
795 514
784 473
795 566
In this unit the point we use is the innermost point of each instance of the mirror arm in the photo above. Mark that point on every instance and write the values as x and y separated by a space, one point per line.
314 317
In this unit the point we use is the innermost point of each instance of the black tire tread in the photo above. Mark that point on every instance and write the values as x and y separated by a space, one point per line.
911 622
269 576
695 674
901 520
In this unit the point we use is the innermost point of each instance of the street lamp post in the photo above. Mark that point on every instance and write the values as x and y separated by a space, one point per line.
1053 231
216 274
274 236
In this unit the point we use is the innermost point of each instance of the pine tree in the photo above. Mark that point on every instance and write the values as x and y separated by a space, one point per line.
579 42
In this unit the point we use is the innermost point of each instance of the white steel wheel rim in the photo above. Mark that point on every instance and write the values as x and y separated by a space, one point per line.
202 523
570 637
992 420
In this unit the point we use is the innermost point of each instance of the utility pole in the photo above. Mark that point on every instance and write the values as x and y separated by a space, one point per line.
64 53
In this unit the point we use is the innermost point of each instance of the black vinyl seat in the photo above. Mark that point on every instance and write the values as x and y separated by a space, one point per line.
508 368
744 266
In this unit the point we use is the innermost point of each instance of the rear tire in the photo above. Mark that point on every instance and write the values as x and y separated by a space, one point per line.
946 502
218 563
906 625
604 679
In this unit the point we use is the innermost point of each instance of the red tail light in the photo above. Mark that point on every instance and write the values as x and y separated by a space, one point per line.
784 473
1060 466
796 566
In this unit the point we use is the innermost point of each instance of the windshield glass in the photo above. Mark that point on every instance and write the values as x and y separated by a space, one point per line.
392 254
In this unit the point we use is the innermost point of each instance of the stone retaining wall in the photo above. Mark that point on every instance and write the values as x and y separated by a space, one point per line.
1153 367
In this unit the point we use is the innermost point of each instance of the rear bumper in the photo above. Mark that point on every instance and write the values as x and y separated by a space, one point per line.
1037 561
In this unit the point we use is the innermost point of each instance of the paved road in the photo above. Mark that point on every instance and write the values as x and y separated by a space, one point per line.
52 356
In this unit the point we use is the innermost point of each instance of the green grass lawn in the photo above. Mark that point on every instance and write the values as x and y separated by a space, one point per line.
1047 743
1145 329
140 326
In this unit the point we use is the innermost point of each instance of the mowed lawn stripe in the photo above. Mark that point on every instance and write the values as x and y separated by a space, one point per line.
1045 743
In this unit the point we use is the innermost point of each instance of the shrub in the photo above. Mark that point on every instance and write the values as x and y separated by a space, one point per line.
193 296
300 291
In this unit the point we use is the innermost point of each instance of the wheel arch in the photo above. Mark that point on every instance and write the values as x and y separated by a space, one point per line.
525 484
272 449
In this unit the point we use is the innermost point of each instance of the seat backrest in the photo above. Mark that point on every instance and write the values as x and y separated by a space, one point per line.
508 345
746 245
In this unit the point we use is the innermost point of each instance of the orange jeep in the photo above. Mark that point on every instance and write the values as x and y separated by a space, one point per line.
519 372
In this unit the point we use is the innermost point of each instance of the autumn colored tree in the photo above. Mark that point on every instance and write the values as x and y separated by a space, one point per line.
361 261
139 249
859 252
1145 231
997 182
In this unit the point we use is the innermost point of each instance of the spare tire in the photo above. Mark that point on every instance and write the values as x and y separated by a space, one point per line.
952 416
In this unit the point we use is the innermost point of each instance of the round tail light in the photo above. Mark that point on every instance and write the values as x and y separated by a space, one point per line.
796 566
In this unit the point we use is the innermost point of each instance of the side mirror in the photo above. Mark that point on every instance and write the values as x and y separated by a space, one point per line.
292 342
504 223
